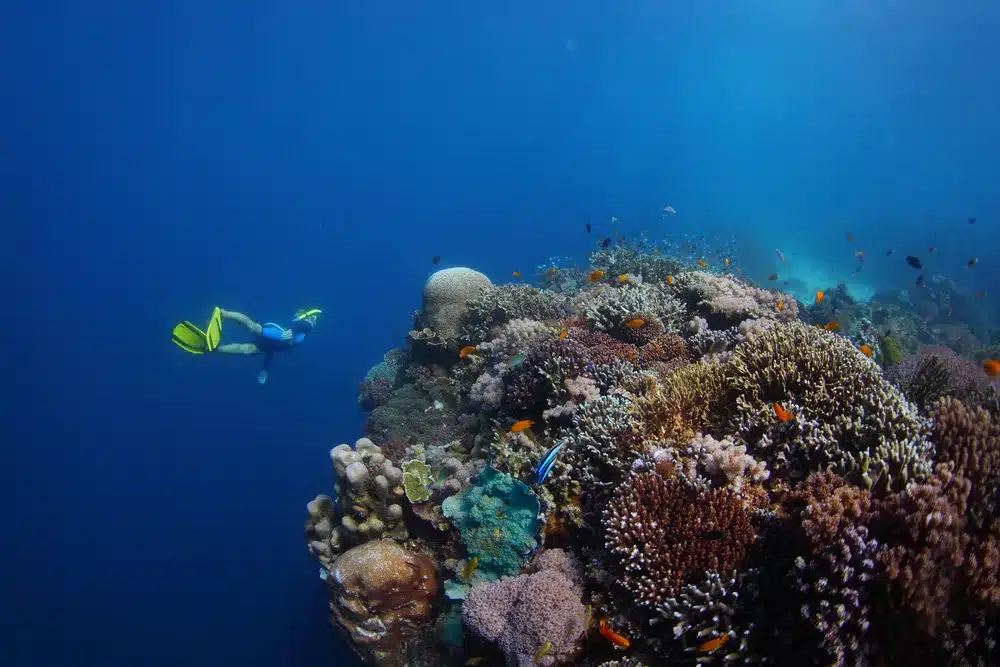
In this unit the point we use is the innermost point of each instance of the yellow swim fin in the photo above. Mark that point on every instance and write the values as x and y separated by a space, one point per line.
214 331
190 338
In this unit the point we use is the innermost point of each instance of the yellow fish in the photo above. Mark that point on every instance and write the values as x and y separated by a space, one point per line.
470 568
670 280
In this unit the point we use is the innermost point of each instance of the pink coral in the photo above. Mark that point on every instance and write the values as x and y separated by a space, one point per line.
519 614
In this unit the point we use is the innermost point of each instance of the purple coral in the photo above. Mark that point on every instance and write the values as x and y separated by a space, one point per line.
519 614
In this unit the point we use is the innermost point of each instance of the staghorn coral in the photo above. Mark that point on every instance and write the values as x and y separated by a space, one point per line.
725 301
970 438
626 259
608 308
661 534
847 415
598 446
519 614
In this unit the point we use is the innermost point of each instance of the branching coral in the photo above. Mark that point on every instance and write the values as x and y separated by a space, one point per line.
725 301
629 260
846 414
970 438
726 462
681 404
497 305
935 372
661 535
609 308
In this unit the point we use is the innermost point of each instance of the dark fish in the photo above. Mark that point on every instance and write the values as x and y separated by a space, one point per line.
932 248
914 262
979 295
773 276
920 280
606 242
888 252
435 259
850 237
972 262
588 227
715 535
972 221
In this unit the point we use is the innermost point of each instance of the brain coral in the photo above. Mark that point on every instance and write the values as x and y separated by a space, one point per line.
446 296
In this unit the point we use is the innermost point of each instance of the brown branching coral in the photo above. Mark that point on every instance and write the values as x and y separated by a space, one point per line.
662 534
682 403
924 529
970 438
666 348
846 414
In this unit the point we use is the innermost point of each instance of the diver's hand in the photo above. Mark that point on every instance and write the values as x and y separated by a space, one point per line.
286 336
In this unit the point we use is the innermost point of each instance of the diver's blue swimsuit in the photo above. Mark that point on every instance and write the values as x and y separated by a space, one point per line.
269 342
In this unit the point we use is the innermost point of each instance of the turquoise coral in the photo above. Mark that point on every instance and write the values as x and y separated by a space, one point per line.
498 521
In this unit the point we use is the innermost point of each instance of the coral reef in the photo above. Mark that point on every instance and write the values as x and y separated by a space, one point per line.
640 463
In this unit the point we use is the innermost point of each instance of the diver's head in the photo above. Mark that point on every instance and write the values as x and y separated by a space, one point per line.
309 316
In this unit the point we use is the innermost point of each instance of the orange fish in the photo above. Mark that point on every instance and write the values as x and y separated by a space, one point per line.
781 306
522 425
623 278
551 272
712 644
701 263
670 280
637 323
466 351
992 367
596 274
616 639
865 350
832 326
516 274
563 334
819 297
782 414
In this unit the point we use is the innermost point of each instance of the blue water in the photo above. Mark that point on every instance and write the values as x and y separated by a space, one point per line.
160 158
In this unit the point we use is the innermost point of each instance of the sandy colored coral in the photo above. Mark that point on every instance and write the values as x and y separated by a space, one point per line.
681 405
445 298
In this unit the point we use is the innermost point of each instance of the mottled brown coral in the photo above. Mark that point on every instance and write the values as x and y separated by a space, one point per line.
650 328
662 534
970 438
924 529
664 348
380 596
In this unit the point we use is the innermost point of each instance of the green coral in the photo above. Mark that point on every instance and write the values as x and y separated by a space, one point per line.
498 521
417 480
891 354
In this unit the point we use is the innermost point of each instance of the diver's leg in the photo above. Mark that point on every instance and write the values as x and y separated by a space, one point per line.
254 328
262 376
238 348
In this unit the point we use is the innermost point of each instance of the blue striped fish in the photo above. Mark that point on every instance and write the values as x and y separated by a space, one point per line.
545 465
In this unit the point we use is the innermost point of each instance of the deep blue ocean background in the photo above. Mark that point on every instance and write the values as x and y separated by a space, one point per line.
159 158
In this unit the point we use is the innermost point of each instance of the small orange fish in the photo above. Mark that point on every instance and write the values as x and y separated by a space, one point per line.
865 350
702 263
623 278
522 425
552 271
670 280
781 306
782 414
516 274
819 297
563 334
466 351
726 261
631 355
712 644
832 326
616 639
992 367
596 274
637 323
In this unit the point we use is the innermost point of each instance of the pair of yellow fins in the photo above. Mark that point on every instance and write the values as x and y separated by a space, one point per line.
190 338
